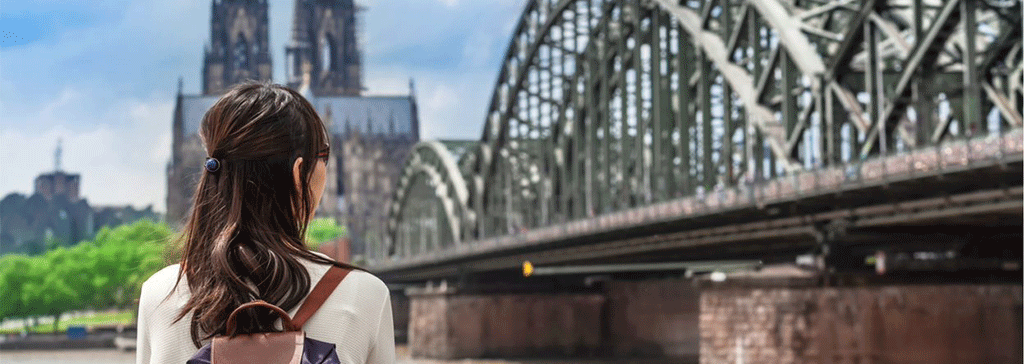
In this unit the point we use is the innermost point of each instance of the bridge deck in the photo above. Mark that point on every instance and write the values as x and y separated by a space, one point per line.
779 215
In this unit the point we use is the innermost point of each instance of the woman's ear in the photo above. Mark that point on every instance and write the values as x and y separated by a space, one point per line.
297 173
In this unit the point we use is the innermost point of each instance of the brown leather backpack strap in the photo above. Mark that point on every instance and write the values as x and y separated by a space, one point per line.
286 322
319 294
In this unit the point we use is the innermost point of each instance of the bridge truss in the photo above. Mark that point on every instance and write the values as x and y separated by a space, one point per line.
603 107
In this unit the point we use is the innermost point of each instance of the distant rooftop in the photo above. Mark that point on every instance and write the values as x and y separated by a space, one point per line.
365 114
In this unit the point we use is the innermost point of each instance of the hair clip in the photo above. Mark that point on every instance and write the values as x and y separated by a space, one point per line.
212 165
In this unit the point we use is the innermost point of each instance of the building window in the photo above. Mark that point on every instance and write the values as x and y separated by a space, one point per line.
240 53
328 60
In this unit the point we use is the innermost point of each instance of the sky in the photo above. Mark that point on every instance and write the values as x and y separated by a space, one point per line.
101 75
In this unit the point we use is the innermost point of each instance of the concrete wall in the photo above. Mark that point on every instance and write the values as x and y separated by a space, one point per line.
881 324
653 318
468 326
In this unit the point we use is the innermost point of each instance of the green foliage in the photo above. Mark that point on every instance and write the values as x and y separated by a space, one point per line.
323 230
15 270
106 272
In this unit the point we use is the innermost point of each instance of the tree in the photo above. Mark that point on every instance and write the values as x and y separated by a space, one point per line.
63 288
323 230
14 272
46 291
107 272
125 257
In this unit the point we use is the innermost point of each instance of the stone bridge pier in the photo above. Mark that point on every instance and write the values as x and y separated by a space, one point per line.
775 315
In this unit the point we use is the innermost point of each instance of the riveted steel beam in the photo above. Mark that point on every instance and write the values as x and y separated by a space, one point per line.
924 54
741 82
604 106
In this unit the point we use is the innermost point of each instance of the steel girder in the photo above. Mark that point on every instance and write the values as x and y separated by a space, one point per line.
604 105
429 208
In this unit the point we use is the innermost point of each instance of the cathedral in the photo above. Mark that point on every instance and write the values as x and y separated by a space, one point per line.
371 135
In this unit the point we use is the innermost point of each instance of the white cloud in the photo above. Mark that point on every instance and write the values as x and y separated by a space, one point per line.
451 103
437 107
477 50
121 158
107 88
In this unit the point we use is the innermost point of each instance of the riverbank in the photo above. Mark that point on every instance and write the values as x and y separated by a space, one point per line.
90 319
58 342
81 356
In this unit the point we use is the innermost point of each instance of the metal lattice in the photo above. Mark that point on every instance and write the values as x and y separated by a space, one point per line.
602 105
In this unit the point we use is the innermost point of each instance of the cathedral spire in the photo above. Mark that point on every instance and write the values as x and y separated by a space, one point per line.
324 39
239 45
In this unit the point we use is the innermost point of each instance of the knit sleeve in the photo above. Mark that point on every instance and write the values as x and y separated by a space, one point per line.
382 349
142 338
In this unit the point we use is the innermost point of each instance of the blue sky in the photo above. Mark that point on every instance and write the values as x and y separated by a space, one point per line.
101 75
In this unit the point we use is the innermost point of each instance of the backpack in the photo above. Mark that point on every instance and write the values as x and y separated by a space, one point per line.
290 346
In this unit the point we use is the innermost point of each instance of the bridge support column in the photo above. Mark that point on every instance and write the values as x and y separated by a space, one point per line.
445 324
770 318
400 315
653 318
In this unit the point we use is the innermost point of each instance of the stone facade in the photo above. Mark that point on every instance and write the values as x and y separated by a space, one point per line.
239 45
872 324
653 318
325 53
325 46
372 163
446 326
366 157
58 183
771 316
56 215
756 326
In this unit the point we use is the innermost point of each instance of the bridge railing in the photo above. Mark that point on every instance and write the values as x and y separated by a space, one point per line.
931 162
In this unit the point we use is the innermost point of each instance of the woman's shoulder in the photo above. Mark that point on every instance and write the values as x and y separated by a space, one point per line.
361 280
367 282
162 280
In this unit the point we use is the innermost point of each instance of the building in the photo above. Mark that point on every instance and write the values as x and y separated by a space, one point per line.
56 215
323 62
325 47
372 159
58 183
239 45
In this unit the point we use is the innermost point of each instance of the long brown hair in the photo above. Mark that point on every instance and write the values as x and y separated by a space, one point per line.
245 232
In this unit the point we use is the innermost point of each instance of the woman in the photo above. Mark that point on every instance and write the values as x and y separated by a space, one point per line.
243 241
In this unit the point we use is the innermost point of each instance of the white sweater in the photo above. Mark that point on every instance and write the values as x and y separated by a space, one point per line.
356 318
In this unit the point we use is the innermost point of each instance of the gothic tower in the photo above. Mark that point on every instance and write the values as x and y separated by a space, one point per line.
324 46
239 46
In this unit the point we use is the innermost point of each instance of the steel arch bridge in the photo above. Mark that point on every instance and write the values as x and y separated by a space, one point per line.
609 113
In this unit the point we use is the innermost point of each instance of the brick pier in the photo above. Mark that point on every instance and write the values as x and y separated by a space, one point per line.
775 315
780 317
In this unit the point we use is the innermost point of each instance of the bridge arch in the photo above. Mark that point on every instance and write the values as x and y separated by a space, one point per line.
605 105
429 202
